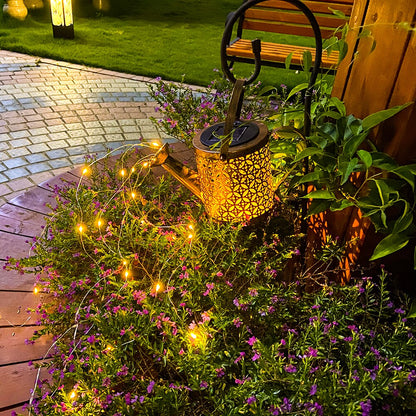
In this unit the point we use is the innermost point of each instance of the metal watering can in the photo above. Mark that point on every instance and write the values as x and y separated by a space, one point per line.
234 175
234 178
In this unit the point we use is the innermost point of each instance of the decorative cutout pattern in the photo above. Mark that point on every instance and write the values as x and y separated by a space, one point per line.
239 189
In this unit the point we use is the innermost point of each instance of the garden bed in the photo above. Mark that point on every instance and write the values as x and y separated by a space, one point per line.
156 309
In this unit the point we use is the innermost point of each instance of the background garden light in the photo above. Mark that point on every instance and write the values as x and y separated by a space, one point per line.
62 19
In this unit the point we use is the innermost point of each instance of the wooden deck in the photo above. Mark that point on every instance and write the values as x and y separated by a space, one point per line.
20 220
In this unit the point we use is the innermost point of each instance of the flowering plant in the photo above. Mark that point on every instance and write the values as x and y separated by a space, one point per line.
185 110
157 310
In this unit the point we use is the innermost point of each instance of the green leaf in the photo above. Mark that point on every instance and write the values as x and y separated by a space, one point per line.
337 13
350 168
288 60
307 61
376 118
343 49
404 222
331 114
320 194
296 89
312 176
317 206
309 151
335 101
341 204
352 144
412 309
389 245
383 161
405 173
365 158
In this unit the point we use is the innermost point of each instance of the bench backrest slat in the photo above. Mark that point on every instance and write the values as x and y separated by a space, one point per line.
281 17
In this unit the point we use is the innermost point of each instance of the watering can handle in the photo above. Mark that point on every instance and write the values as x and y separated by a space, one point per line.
233 114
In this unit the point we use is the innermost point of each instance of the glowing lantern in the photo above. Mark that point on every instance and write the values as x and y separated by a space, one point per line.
234 178
15 9
62 20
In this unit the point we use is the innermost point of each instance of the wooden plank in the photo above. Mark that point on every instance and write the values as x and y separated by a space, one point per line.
16 226
35 200
275 52
314 6
14 349
12 280
27 220
277 27
401 144
14 305
61 181
373 73
17 409
13 245
20 380
290 18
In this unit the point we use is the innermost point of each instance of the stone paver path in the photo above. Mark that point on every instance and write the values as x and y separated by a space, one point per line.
53 114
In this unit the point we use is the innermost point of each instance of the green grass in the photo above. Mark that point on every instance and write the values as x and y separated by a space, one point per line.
166 38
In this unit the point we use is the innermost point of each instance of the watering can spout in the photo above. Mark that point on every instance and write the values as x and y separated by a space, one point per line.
177 169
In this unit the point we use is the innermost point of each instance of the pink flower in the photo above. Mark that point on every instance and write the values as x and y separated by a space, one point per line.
252 341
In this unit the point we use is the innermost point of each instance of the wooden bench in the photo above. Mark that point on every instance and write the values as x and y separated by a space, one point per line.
276 16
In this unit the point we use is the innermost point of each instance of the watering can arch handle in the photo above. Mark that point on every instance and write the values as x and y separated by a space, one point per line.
256 45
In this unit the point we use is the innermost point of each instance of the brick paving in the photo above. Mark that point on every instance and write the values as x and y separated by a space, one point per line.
53 114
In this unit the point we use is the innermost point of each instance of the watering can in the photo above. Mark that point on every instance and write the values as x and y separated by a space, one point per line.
233 178
234 175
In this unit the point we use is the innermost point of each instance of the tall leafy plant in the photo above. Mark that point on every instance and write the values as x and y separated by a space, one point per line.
347 170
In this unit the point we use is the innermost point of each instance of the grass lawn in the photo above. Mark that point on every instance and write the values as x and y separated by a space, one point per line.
166 38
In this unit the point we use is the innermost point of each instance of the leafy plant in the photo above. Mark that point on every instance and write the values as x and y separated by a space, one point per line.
347 170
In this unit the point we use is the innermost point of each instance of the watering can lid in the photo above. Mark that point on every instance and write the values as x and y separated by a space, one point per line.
243 132
248 136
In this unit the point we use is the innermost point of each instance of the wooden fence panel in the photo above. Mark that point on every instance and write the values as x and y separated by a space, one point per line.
372 80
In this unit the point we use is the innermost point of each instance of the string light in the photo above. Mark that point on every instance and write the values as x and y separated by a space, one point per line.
81 228
126 274
86 170
73 394
123 173
155 144
133 195
190 236
145 164
109 348
132 169
193 336
35 290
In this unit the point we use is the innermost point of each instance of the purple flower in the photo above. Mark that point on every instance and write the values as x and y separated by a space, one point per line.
239 358
313 390
366 407
399 310
251 341
150 387
256 356
220 372
412 376
106 382
251 400
123 371
290 368
203 384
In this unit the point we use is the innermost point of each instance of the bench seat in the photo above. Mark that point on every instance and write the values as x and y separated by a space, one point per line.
241 51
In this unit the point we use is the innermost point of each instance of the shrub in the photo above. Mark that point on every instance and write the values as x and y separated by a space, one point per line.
157 310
